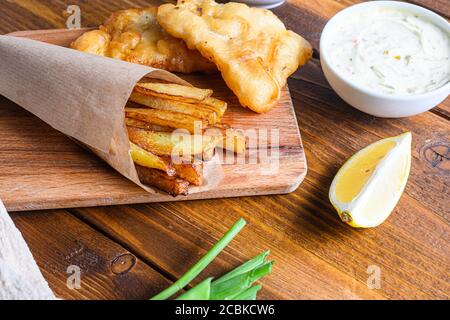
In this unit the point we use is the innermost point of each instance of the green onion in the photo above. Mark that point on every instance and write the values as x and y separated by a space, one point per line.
228 289
250 265
235 285
202 291
249 294
202 263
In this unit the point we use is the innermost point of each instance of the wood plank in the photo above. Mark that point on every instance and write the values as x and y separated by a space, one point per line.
317 256
14 17
39 179
413 264
108 271
428 182
441 7
308 18
411 247
431 130
326 258
187 231
48 14
313 74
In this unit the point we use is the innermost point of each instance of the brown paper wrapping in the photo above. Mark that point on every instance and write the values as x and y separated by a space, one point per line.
81 95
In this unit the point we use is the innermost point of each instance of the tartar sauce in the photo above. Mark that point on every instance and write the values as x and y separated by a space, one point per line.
392 51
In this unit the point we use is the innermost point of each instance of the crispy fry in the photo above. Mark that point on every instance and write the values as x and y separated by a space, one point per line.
155 113
230 139
147 159
217 137
160 180
147 79
216 105
191 172
166 118
145 125
173 91
234 141
170 144
175 106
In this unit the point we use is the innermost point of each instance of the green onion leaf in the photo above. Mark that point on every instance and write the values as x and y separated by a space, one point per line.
231 287
249 294
202 263
249 265
199 292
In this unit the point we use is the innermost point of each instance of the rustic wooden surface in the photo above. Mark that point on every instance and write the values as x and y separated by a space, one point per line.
316 255
43 173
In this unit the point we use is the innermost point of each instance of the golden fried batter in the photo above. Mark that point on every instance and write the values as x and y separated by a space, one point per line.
250 46
135 36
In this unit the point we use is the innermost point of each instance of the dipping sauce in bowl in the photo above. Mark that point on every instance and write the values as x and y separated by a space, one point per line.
387 58
392 51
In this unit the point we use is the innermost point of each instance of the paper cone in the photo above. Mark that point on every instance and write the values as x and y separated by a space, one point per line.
81 95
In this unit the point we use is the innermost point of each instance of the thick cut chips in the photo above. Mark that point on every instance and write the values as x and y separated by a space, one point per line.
166 118
147 159
172 144
161 180
175 106
173 91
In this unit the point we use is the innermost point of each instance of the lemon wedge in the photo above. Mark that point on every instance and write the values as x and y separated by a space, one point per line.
368 186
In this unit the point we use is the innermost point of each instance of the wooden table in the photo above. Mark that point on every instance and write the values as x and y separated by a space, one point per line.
132 252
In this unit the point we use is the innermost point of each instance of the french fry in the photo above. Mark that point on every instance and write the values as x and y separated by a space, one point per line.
230 139
173 91
191 172
175 106
217 137
147 159
234 141
152 80
166 158
170 144
216 105
166 118
162 181
145 125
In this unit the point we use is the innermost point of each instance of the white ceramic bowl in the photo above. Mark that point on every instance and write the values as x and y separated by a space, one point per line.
371 101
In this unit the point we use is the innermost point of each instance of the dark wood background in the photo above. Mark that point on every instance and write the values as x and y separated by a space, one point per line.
132 252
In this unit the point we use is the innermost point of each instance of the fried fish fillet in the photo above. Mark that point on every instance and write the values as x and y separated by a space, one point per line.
251 47
135 36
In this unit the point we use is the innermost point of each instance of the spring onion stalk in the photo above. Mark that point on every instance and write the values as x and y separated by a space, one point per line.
228 289
248 266
249 294
202 263
235 285
202 291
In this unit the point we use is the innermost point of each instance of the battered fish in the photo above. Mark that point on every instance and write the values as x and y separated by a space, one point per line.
251 47
135 36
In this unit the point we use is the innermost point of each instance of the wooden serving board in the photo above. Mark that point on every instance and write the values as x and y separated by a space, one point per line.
40 168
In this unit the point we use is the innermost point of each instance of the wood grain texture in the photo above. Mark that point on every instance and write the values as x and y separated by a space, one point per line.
108 271
316 255
196 226
274 165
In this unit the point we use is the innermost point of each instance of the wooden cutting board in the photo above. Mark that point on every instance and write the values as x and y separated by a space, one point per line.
40 168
